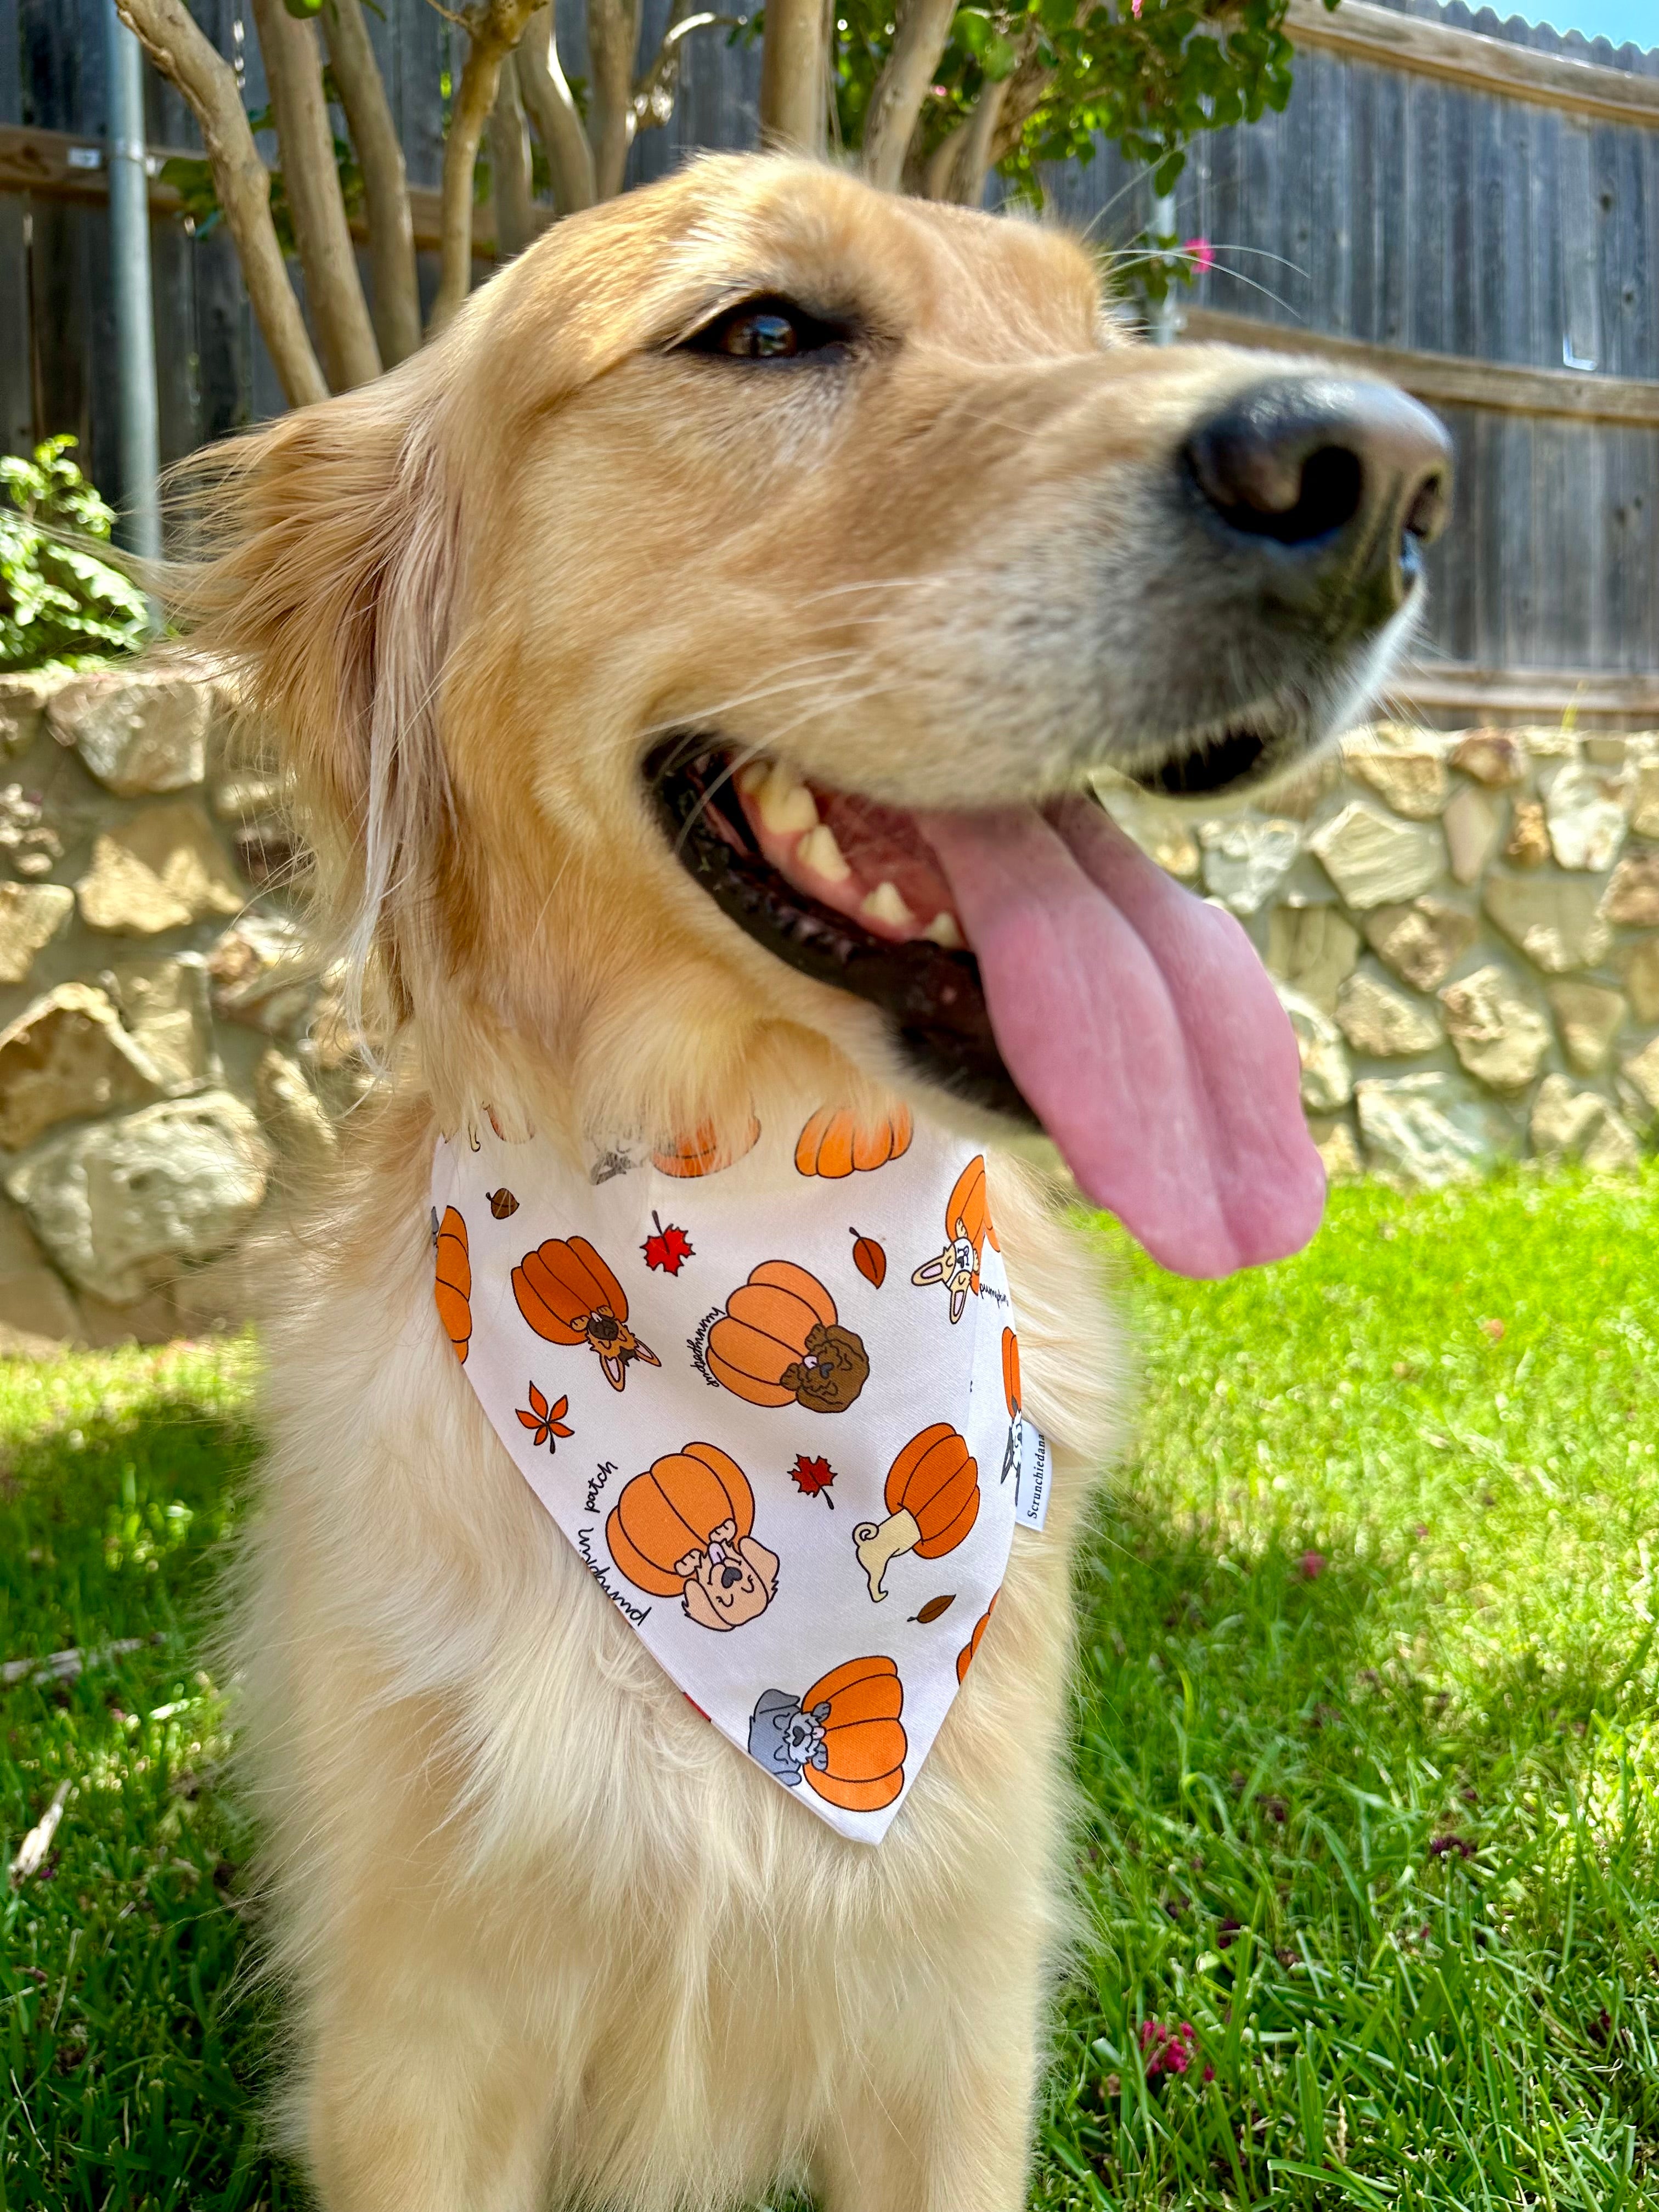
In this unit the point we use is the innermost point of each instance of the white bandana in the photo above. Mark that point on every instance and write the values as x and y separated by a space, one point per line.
774 1402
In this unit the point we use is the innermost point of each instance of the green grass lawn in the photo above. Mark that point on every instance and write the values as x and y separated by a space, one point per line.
1366 1722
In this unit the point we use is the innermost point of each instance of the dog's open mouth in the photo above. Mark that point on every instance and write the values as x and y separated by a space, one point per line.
1034 963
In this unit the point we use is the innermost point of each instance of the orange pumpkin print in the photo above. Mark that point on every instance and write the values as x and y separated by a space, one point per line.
452 1280
1015 1445
932 1498
703 1153
966 1656
778 1342
967 1229
569 1295
842 1737
835 1143
684 1528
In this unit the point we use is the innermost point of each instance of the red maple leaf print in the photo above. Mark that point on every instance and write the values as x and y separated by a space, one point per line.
668 1249
548 1421
812 1477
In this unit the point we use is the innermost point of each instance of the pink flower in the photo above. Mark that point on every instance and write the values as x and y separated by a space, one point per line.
1134 9
1197 251
1312 1565
1166 2050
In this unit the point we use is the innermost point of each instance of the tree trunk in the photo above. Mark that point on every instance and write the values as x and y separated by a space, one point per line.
553 110
493 30
516 222
305 145
613 39
207 83
396 288
966 183
923 28
795 76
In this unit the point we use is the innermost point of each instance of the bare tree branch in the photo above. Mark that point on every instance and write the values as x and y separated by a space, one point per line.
494 28
396 297
178 48
516 220
921 29
794 105
305 145
613 39
657 88
553 110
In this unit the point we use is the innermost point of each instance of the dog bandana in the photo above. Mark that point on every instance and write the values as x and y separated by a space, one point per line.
773 1400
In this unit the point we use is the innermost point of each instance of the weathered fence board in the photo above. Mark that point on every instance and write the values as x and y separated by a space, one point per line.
1467 203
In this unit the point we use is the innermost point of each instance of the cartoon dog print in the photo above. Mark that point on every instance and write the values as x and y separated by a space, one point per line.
684 1528
967 1230
568 1295
842 1737
780 1342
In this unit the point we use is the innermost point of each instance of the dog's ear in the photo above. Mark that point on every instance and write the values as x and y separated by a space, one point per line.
762 1564
699 1606
328 583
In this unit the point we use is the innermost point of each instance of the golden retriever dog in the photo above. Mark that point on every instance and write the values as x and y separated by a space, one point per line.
691 671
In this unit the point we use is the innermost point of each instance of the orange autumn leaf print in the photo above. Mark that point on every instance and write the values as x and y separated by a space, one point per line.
548 1421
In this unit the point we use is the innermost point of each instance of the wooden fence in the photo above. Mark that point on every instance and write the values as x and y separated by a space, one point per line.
1469 205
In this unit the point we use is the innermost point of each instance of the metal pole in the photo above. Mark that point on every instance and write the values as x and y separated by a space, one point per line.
1163 317
135 328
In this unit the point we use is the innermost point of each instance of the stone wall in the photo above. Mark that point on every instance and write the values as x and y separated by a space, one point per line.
164 1045
1465 929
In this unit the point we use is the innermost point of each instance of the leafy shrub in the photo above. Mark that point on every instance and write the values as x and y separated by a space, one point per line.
60 606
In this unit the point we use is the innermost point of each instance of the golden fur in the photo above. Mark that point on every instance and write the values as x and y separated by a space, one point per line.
548 1938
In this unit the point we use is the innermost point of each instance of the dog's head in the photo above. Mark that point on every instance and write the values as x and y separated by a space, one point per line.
731 1582
692 666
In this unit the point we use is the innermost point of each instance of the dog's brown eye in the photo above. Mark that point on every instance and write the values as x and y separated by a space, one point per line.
768 331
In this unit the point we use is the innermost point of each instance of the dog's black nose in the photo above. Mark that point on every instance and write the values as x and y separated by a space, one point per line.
1331 486
730 1575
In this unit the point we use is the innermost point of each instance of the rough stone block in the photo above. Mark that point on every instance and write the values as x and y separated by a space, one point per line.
1554 919
1632 898
1413 783
1528 845
1472 823
1586 813
1429 1129
31 915
1327 1079
1383 1023
162 868
1568 1122
1312 948
1496 758
259 974
120 1204
1375 860
64 1057
137 731
1422 942
1644 804
1336 1144
164 1003
23 708
1588 1016
1500 1037
1245 861
1642 1072
1640 962
35 1305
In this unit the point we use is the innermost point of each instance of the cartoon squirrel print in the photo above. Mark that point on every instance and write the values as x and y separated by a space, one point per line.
684 1528
967 1230
780 1342
568 1295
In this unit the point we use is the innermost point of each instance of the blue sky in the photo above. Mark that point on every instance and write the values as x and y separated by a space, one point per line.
1617 20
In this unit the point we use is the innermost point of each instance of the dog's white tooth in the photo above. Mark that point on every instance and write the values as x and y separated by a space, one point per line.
818 851
943 930
885 904
751 777
785 805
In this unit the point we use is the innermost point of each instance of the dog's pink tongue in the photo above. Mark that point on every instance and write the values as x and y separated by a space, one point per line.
1143 1031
